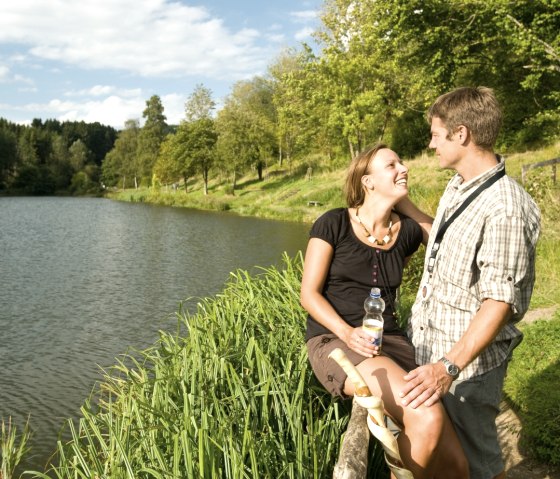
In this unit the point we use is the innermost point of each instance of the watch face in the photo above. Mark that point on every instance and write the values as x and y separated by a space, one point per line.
452 370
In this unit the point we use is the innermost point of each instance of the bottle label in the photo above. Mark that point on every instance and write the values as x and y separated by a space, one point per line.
374 328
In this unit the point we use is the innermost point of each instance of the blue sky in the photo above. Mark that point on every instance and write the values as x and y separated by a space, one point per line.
100 60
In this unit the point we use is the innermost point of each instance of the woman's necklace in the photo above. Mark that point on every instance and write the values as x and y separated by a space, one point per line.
372 239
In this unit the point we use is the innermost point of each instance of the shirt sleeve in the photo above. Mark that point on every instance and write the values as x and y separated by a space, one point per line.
504 262
414 237
325 228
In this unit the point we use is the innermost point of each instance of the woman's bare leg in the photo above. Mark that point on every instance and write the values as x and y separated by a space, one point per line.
424 427
451 462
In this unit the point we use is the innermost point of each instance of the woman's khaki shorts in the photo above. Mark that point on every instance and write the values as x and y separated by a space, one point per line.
333 377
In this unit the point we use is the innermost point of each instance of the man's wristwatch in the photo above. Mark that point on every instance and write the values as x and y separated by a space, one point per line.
452 369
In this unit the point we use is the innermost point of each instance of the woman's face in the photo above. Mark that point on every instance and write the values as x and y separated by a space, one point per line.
387 174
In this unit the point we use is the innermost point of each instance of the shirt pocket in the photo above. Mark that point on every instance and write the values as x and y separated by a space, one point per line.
455 278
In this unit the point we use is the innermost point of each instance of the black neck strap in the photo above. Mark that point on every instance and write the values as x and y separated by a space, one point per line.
443 226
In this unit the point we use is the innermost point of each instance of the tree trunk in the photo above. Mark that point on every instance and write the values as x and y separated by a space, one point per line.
234 182
135 182
185 180
123 182
351 148
205 176
353 457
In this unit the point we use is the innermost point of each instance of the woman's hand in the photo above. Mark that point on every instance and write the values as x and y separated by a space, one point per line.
360 341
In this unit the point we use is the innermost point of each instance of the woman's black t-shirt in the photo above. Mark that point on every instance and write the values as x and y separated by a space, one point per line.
357 267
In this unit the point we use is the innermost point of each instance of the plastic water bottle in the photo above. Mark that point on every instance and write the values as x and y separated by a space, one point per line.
373 319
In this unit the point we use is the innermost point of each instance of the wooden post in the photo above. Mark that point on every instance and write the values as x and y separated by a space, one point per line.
353 457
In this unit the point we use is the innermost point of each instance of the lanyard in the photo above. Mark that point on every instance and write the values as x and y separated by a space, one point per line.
443 227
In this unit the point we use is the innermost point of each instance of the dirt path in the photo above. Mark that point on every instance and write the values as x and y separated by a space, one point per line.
518 465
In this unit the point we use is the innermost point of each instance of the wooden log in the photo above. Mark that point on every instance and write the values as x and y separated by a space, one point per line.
353 458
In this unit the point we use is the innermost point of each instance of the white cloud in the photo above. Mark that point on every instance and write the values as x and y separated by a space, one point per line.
104 90
7 76
4 72
149 38
304 33
112 110
304 16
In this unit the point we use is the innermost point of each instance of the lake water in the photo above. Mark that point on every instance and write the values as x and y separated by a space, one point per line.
83 280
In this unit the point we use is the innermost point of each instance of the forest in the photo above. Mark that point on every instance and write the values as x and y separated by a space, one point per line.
373 72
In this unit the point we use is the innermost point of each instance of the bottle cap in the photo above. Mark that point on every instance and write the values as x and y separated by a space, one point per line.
375 292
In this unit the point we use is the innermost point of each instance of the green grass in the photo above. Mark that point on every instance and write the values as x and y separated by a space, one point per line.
532 388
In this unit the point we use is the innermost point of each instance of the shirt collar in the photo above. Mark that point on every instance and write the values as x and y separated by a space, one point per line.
461 187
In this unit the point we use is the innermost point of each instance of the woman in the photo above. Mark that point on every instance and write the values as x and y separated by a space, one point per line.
350 251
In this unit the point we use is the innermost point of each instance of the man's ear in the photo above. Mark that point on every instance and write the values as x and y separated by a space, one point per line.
462 132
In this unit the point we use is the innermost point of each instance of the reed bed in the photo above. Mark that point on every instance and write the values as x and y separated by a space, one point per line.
228 395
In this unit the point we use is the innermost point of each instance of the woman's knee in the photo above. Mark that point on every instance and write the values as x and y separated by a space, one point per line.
426 420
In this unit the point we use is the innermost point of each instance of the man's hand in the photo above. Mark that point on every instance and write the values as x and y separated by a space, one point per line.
426 385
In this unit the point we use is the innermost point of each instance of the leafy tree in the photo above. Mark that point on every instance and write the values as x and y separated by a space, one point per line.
122 161
59 163
295 126
197 134
79 155
247 126
168 166
8 156
151 136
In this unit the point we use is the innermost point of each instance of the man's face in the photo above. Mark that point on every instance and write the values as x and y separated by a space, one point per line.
446 145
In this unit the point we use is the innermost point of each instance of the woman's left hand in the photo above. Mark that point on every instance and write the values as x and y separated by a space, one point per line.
360 341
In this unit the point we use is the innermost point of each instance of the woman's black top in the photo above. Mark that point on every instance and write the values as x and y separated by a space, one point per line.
357 267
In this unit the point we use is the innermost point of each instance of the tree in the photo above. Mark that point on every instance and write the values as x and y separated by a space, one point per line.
197 135
79 155
173 161
291 98
247 126
151 136
8 156
122 161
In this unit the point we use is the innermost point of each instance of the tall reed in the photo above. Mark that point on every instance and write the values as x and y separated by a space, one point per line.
12 447
230 397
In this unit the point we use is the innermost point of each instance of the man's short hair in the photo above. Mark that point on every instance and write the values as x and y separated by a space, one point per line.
475 108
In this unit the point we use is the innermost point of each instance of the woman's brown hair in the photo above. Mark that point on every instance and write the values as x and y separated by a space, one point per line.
353 188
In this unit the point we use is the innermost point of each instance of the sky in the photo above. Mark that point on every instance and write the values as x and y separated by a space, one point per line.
101 60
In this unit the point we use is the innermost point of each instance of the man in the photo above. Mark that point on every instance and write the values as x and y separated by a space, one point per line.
478 278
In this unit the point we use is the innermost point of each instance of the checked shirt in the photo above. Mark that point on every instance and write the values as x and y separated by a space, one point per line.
488 252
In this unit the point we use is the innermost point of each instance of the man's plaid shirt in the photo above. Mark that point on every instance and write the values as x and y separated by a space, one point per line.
488 252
